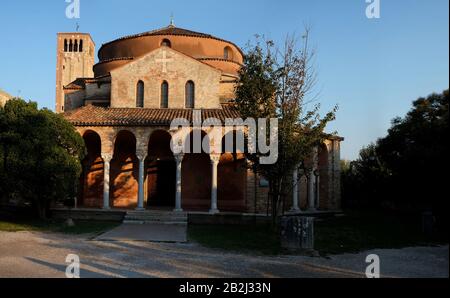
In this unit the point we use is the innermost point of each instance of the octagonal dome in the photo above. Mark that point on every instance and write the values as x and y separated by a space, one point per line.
219 53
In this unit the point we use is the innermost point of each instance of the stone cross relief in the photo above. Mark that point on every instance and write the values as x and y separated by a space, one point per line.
164 61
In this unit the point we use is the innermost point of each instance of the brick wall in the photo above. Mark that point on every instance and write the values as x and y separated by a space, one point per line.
180 69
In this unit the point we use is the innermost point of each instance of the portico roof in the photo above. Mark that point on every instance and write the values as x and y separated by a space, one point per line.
91 115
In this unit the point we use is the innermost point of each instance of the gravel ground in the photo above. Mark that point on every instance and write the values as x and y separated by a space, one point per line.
36 254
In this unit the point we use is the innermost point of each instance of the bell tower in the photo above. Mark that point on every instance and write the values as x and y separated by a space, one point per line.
75 59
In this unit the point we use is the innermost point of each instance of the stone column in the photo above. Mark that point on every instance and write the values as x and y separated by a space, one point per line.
215 158
106 180
317 188
336 176
311 192
141 157
179 161
295 182
311 181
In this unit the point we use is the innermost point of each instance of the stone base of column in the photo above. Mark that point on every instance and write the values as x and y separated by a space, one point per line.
140 209
294 210
214 211
178 210
106 208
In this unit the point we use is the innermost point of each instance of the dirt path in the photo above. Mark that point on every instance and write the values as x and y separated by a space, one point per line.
35 254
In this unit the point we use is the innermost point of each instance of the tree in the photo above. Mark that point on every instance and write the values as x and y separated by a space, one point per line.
41 154
364 179
407 168
416 152
274 83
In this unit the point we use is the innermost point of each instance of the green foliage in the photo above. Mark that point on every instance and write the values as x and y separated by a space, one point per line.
40 155
407 168
275 83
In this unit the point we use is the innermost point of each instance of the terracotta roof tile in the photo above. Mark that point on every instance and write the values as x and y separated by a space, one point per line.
115 59
169 30
172 30
80 83
98 116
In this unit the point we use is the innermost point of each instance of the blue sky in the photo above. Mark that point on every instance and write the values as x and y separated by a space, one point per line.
373 69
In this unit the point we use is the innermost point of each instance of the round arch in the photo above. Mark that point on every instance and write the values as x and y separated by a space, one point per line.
91 179
323 167
124 171
228 53
161 170
196 174
189 95
166 43
232 175
93 142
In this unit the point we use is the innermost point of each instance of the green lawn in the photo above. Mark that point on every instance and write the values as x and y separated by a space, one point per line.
359 231
255 239
355 232
81 227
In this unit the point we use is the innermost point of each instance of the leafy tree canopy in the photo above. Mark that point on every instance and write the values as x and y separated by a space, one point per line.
409 166
275 82
40 155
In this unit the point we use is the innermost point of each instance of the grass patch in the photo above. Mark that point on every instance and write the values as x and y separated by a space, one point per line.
81 227
87 227
359 231
8 226
254 239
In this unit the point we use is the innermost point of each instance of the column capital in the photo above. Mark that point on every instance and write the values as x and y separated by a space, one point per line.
141 155
107 157
179 157
215 158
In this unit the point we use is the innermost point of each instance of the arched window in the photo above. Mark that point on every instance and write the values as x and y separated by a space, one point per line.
227 53
190 95
140 94
166 43
80 47
70 46
164 95
75 47
66 48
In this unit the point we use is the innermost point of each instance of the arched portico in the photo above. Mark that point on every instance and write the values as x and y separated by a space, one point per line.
161 171
124 171
196 175
323 177
232 176
91 180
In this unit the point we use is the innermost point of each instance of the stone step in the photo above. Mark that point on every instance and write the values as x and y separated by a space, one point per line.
146 213
156 217
144 222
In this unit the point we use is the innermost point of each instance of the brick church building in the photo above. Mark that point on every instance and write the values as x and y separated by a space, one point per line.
123 107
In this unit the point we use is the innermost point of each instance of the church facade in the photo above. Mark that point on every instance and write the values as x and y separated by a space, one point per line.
123 107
